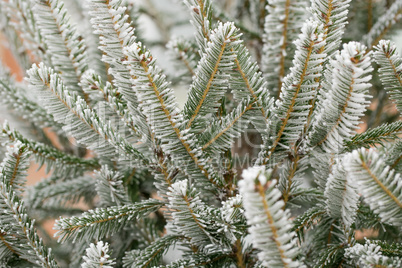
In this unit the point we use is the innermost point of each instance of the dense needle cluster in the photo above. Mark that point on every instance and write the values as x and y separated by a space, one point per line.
265 164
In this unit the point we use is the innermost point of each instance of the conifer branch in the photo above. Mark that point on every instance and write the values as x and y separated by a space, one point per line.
284 18
62 103
377 181
103 222
342 196
390 70
66 47
109 186
98 256
297 90
209 85
201 12
333 15
347 86
57 192
263 211
61 162
151 255
375 136
15 218
383 24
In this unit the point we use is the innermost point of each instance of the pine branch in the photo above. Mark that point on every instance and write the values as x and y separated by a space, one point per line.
282 24
375 136
297 91
342 196
378 183
347 86
390 62
383 24
98 256
103 222
66 47
264 214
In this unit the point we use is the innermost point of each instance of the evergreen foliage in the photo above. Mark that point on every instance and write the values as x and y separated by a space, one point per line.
264 164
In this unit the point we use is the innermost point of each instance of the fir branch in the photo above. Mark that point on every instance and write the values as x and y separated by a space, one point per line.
103 222
14 167
378 183
24 22
112 24
185 52
209 85
297 90
15 219
159 105
347 86
151 255
375 136
83 122
93 85
66 47
383 24
251 84
284 19
98 256
390 62
306 220
394 156
333 15
110 188
342 196
186 206
61 162
370 255
56 192
221 134
17 102
201 12
264 214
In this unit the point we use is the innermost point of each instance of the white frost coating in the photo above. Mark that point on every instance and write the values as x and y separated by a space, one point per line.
250 174
370 255
379 184
346 86
98 256
342 196
265 215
